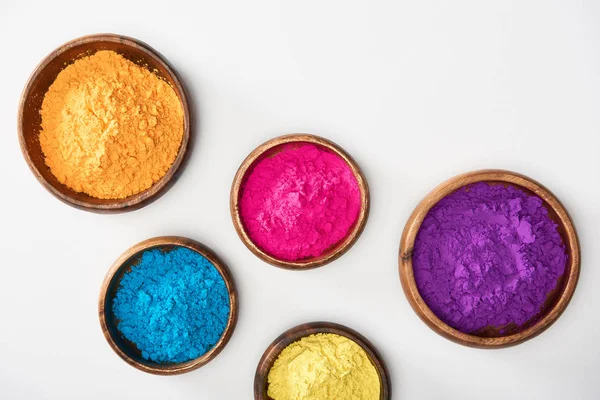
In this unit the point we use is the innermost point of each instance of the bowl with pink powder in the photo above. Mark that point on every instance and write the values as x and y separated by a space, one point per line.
299 201
489 259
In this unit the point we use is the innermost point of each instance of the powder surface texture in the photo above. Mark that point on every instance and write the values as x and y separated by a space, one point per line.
487 256
110 128
323 366
299 202
174 306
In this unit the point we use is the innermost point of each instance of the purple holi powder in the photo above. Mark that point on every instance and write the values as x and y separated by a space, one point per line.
487 256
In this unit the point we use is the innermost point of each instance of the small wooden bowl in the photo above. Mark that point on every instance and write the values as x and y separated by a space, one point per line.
557 300
294 334
29 119
126 349
270 148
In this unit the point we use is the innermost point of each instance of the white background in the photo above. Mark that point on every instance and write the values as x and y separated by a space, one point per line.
417 91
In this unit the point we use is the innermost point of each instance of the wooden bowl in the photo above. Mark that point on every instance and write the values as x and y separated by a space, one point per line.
294 334
29 119
270 148
557 300
126 349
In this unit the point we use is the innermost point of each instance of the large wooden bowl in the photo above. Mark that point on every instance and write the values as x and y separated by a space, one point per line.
294 334
270 148
29 119
557 300
126 349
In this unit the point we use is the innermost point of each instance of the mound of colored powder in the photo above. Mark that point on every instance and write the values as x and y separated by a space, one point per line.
487 256
300 202
110 128
324 366
174 306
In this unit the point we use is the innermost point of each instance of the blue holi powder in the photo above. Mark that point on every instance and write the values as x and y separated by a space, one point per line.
174 306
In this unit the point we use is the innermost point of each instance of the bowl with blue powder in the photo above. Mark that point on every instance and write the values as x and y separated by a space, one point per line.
489 259
168 305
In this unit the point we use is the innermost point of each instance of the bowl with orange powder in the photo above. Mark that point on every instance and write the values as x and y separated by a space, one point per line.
104 124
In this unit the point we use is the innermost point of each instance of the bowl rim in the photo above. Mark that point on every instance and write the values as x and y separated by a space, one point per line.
330 255
413 225
297 332
137 200
122 262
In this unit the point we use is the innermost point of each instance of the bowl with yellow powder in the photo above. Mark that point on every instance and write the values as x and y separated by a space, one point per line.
321 361
104 124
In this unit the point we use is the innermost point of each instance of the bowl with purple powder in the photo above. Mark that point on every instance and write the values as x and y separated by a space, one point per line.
299 201
168 305
489 259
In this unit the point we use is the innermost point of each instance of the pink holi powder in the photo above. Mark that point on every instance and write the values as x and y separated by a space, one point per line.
300 202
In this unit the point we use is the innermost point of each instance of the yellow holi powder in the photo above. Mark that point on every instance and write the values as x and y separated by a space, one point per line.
324 366
110 128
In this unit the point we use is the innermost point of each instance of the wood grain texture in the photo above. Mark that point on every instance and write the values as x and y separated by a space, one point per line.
557 300
29 119
270 148
126 349
296 333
